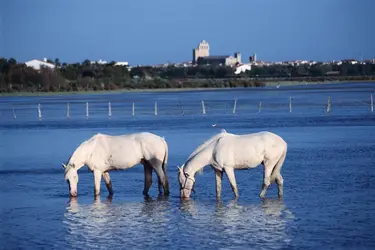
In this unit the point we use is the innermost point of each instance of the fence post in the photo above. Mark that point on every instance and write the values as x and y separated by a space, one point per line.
133 110
259 107
39 112
329 105
235 106
67 110
87 110
109 109
372 104
156 108
290 104
203 108
182 108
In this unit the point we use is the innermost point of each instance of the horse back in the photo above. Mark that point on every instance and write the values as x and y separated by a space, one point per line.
248 150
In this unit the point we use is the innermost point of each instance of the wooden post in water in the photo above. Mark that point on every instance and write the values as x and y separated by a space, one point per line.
329 105
259 107
133 110
14 114
87 110
290 104
372 104
39 112
67 110
235 106
109 109
203 108
182 108
156 108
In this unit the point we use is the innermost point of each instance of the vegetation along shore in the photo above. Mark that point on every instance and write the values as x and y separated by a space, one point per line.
18 79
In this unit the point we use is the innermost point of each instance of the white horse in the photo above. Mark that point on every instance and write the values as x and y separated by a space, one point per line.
103 153
226 152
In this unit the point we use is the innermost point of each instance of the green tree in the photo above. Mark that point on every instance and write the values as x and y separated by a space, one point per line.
57 62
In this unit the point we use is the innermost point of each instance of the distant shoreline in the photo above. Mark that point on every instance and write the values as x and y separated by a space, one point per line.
268 83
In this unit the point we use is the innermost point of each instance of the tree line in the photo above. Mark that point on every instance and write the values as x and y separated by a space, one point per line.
85 76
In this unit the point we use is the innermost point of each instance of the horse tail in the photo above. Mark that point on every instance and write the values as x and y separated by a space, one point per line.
164 166
165 160
279 164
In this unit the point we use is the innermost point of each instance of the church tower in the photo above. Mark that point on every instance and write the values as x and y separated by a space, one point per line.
202 50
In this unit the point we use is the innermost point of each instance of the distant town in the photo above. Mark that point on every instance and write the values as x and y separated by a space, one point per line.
202 56
204 70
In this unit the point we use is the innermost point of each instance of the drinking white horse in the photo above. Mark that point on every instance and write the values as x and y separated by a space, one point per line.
103 153
226 152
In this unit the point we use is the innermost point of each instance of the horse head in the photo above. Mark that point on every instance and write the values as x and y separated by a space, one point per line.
186 182
71 177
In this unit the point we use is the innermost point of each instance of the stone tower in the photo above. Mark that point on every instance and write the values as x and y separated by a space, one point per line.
202 50
237 55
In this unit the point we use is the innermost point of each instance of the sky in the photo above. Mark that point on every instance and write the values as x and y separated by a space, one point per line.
153 32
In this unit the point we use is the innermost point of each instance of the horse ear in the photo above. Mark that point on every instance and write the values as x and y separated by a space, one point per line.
63 165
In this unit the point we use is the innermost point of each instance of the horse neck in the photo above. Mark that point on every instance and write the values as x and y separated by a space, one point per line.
80 155
199 160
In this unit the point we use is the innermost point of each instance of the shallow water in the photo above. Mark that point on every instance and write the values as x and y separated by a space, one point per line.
329 172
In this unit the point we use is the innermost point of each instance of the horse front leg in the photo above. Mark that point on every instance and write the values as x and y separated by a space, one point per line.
97 179
232 180
219 178
108 183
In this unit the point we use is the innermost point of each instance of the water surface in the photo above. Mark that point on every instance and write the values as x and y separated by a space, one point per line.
329 172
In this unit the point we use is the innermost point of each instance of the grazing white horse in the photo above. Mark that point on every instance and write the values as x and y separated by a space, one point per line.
226 152
103 153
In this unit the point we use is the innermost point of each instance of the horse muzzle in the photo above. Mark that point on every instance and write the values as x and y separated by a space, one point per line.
185 193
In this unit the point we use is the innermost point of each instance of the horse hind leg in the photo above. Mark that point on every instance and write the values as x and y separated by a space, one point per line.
108 183
148 177
160 186
162 175
269 165
276 175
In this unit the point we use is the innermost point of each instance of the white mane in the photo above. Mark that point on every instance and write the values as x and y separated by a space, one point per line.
204 145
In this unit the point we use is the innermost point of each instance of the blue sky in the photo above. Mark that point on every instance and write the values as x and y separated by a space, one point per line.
149 32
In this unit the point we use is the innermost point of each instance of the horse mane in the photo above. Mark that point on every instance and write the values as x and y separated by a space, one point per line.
206 144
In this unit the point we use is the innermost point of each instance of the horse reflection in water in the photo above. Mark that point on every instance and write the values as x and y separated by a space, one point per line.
160 223
245 225
115 225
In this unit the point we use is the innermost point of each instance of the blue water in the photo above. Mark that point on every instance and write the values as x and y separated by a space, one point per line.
329 172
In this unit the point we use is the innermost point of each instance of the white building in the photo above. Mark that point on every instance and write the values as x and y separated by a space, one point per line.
37 64
121 64
242 68
99 62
